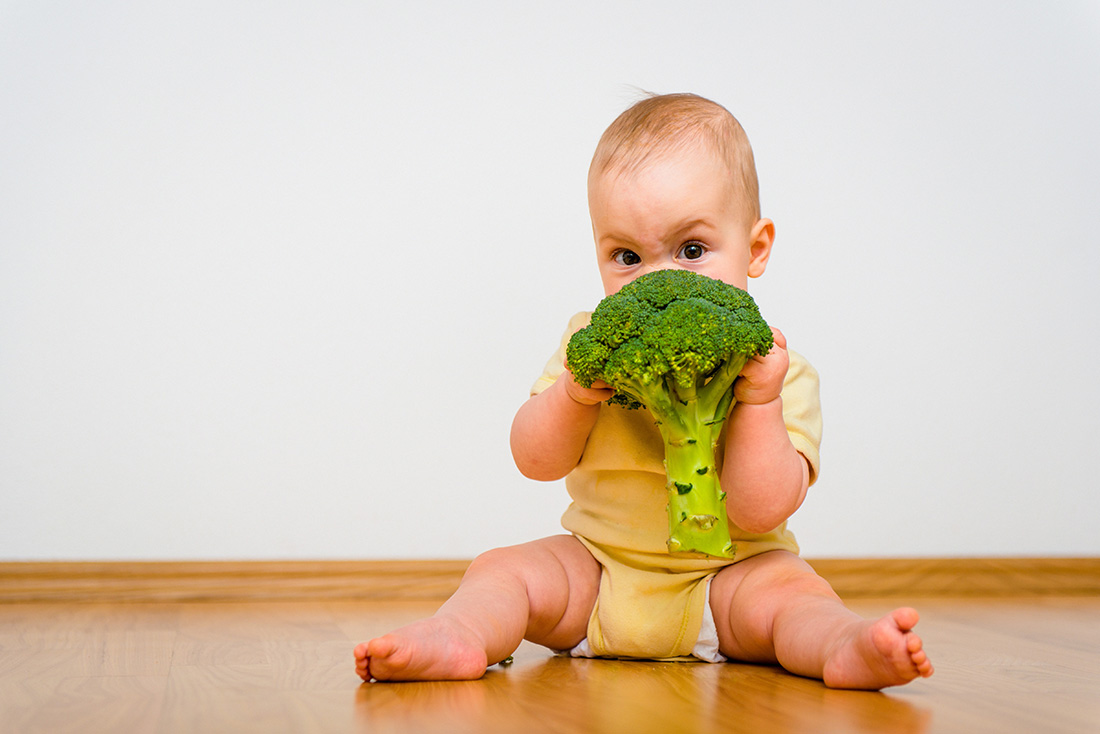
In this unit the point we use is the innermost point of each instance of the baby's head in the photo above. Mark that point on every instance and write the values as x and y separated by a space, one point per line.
673 184
663 125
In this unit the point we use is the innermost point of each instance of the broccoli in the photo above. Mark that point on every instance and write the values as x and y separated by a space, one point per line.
674 341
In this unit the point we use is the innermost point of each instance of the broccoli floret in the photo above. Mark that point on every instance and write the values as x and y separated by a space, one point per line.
674 341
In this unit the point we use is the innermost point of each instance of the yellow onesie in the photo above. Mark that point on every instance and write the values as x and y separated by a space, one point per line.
651 603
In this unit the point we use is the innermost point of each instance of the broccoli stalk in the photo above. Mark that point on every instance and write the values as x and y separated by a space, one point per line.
674 342
690 421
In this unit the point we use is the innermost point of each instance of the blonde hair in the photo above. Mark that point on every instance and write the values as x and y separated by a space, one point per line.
663 124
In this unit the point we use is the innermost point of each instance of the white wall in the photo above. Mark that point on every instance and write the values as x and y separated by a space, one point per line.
274 278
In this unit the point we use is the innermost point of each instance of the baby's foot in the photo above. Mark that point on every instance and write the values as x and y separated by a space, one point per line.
878 654
431 649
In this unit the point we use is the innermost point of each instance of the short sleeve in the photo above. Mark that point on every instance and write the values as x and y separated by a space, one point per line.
802 410
556 365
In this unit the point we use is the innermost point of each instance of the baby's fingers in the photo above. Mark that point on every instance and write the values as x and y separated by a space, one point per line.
780 340
757 360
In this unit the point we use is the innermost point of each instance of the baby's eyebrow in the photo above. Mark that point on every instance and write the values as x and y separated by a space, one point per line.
693 224
614 240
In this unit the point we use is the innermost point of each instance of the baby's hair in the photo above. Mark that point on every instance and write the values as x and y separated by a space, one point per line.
663 124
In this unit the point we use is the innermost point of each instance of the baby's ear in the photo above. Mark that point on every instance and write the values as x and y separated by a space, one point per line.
761 239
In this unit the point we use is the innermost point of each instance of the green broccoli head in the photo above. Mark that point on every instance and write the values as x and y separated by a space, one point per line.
669 328
674 342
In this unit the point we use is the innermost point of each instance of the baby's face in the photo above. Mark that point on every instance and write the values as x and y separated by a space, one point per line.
677 212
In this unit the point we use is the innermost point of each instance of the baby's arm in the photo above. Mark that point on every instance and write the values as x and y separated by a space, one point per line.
765 478
550 430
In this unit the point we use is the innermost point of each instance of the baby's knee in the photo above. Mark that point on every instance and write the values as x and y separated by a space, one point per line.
806 583
518 560
791 575
547 569
505 559
779 576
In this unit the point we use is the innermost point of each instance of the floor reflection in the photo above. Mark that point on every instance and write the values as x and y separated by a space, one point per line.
559 694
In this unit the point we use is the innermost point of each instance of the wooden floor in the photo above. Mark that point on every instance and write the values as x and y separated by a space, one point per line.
1002 665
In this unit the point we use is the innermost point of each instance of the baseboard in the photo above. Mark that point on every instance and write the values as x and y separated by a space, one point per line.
241 581
177 581
899 577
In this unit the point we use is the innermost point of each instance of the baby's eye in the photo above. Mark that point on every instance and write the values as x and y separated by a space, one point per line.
692 250
626 257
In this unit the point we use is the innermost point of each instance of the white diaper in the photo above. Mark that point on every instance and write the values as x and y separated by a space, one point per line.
706 646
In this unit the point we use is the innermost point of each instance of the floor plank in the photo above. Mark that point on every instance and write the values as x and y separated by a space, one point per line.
1005 665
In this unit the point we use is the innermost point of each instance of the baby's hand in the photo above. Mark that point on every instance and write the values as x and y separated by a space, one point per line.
761 379
600 392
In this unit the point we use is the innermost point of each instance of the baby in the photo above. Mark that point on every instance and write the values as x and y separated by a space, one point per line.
672 185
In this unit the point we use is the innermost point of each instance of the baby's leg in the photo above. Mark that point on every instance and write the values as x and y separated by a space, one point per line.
774 608
544 591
